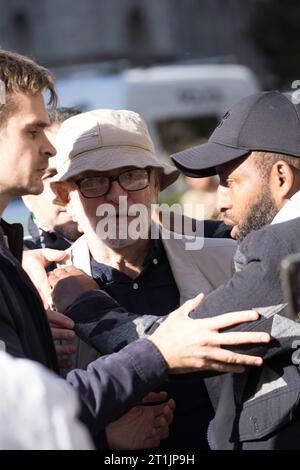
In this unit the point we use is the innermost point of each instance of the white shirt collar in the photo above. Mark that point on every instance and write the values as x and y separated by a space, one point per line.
291 210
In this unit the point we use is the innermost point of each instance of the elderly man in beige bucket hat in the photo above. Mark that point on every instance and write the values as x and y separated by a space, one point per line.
106 158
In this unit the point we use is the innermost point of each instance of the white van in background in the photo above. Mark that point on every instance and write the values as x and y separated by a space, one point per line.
181 103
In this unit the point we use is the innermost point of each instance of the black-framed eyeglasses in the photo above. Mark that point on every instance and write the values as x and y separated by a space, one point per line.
130 180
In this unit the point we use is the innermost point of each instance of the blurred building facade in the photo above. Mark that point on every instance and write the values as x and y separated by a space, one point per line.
62 32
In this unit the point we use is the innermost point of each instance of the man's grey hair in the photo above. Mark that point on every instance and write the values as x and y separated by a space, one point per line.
59 115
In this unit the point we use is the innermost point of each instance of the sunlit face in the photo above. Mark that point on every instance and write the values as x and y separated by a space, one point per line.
24 147
91 222
244 197
49 214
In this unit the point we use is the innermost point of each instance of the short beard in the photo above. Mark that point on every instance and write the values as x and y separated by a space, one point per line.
261 213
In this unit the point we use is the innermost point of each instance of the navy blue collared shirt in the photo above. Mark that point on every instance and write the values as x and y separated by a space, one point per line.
154 292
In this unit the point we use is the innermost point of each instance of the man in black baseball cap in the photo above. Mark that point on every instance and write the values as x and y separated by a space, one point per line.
255 143
255 150
266 121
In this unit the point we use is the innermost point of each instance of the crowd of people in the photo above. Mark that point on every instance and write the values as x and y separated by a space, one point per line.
120 327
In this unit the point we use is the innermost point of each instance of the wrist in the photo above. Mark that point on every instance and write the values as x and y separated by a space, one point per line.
158 342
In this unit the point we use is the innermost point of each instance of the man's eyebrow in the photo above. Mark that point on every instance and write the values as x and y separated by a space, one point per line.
38 124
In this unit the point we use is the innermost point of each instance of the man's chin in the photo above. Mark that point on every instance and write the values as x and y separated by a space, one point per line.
35 188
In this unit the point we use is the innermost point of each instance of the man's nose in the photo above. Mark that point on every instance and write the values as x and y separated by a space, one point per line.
115 192
223 200
48 150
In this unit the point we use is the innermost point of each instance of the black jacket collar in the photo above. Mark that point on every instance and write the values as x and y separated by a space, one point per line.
14 234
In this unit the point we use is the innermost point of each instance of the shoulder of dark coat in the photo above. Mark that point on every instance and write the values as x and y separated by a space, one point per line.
282 237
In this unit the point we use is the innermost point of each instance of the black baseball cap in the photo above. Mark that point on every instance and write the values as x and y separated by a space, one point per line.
267 121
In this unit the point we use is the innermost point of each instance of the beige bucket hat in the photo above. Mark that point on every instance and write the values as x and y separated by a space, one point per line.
106 139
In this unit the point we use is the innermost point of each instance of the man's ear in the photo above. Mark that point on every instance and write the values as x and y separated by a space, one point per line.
281 181
62 190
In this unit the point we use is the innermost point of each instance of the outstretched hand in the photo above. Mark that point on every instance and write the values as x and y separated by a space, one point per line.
190 344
